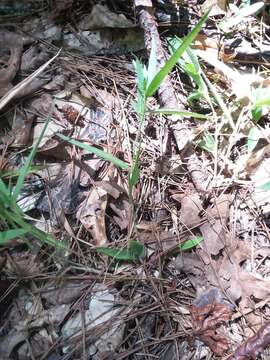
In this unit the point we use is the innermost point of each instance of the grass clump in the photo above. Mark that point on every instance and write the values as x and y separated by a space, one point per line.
12 217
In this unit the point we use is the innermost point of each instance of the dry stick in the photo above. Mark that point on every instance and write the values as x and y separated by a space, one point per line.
167 97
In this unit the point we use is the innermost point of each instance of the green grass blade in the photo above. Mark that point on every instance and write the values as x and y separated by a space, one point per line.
191 243
136 248
164 71
135 171
262 102
25 169
100 153
4 191
140 75
220 101
47 239
141 86
179 113
11 234
134 251
118 254
16 173
189 63
16 219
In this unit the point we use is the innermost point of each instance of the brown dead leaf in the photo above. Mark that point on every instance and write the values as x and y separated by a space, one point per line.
100 98
157 239
14 43
41 105
191 206
28 85
89 169
204 42
207 321
111 187
253 286
119 202
194 268
214 235
40 343
214 229
121 207
64 194
64 294
23 264
225 272
91 214
220 207
21 128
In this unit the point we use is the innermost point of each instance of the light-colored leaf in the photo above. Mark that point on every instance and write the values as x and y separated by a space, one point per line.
254 136
240 15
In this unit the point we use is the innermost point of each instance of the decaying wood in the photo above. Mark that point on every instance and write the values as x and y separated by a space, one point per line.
168 99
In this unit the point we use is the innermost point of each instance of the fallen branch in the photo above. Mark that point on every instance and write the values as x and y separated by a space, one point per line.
167 97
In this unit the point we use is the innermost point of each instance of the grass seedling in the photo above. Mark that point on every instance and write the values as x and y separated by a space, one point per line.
11 216
191 243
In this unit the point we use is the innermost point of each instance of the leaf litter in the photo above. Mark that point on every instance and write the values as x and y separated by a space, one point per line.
181 268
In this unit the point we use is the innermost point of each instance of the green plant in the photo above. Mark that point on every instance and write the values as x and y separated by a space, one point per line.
148 81
189 63
259 102
207 142
191 243
134 251
94 150
11 216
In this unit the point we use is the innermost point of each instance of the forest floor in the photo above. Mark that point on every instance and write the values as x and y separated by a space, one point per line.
135 180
